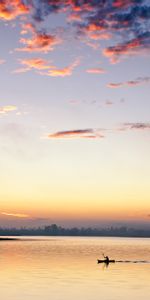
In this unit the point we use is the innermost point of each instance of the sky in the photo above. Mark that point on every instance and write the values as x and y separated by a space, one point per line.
74 112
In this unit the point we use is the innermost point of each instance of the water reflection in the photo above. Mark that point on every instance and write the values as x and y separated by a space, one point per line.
66 268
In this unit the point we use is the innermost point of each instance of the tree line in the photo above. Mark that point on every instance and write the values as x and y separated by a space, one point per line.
56 230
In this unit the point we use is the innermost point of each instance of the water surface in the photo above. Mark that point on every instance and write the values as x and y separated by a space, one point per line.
65 268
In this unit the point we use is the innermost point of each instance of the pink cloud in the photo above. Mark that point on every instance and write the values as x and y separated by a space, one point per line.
74 17
39 41
115 85
96 32
132 47
26 28
74 102
122 3
33 63
76 134
99 35
108 103
2 61
67 71
96 71
9 10
43 67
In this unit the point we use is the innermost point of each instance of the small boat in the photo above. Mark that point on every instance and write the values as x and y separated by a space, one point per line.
106 261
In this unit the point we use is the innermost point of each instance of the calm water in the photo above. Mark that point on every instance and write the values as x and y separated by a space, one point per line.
65 268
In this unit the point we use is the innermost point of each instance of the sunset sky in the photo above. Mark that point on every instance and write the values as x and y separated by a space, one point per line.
74 112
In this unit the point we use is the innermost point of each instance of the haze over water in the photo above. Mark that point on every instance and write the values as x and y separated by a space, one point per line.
64 268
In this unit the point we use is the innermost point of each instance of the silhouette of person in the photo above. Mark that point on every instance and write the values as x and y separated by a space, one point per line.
107 259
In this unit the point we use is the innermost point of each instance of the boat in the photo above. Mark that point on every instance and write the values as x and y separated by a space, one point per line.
106 261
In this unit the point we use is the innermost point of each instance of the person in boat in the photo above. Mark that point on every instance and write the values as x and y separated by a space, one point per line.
106 259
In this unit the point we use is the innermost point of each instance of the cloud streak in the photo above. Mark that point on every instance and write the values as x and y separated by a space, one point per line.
97 133
135 46
77 134
130 83
33 64
136 126
96 71
8 108
43 67
15 215
66 71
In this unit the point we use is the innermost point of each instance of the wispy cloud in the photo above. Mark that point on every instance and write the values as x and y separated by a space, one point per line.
26 28
40 41
95 31
8 108
74 101
74 17
132 47
115 85
122 3
15 215
66 71
43 67
109 103
77 134
130 83
135 126
33 64
96 71
90 133
2 61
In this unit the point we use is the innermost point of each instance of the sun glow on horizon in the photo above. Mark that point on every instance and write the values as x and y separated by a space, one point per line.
15 215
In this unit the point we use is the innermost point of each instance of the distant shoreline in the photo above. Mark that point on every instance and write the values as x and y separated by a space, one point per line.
18 238
56 230
8 239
